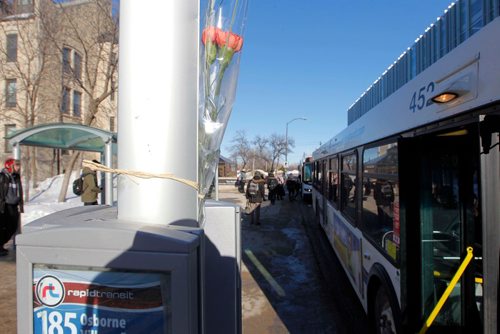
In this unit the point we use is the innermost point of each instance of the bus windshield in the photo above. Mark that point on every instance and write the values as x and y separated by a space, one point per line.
307 173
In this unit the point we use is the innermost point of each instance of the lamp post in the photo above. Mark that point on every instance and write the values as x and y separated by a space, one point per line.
286 138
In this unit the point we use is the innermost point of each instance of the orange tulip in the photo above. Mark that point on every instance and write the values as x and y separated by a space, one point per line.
233 41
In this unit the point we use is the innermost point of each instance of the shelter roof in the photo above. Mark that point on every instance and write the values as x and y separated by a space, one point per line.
64 136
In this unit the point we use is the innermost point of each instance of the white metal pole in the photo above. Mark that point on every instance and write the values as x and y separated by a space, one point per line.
286 139
158 100
16 149
286 147
217 184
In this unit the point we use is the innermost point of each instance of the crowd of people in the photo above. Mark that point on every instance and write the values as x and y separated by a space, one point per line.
256 191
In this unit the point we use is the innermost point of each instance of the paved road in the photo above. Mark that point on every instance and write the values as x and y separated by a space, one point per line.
307 293
286 287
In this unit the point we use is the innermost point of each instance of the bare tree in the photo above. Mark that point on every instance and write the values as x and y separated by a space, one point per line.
33 40
25 63
261 151
241 148
93 33
277 145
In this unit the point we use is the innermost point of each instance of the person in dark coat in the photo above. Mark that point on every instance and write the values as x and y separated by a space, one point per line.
280 192
272 186
11 201
255 197
293 186
90 187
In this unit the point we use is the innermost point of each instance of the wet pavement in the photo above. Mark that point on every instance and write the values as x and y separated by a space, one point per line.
304 292
286 286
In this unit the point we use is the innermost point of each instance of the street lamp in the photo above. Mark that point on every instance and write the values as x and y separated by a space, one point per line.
286 138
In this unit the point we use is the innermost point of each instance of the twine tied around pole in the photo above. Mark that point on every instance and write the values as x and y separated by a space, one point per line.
143 175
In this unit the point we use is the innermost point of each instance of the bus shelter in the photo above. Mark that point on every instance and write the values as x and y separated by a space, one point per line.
71 137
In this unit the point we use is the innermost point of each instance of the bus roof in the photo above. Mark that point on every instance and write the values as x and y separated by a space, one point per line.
427 49
411 106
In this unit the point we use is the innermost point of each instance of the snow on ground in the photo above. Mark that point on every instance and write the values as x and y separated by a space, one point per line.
44 199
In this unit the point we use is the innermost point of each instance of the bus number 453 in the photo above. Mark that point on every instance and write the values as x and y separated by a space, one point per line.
422 99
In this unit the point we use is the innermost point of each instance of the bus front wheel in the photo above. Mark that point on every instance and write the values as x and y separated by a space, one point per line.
383 313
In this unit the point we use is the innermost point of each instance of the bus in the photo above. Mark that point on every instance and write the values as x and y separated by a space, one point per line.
306 179
413 181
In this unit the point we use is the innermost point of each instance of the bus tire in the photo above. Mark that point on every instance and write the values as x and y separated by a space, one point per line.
384 313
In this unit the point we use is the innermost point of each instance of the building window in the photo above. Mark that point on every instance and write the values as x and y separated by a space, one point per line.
11 93
464 21
443 36
113 89
113 81
65 100
24 6
112 124
476 16
77 104
12 47
77 66
66 61
9 128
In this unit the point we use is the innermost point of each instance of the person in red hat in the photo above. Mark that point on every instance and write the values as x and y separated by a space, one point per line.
11 201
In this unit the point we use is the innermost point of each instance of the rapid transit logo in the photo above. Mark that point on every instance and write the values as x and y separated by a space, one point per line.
50 291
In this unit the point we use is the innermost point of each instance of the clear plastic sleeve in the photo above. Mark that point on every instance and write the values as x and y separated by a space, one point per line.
222 43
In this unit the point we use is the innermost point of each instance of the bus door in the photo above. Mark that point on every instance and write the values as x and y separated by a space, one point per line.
440 198
490 215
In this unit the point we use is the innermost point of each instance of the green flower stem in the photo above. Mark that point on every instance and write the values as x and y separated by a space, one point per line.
227 56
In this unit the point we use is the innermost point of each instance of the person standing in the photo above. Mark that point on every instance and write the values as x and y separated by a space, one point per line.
241 181
11 201
272 186
280 192
90 187
292 186
255 195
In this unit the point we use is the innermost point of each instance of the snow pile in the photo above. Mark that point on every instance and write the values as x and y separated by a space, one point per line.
44 199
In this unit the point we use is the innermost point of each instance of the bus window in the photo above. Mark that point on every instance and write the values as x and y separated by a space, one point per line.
333 176
315 174
324 169
381 198
307 171
348 186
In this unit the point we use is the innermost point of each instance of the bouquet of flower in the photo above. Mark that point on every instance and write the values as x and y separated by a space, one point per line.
222 41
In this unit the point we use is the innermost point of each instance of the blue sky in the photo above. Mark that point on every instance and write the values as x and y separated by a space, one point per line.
313 59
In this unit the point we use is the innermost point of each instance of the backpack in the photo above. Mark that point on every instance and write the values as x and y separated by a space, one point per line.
253 188
78 186
273 183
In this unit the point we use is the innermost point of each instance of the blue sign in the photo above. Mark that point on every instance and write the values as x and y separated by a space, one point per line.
96 302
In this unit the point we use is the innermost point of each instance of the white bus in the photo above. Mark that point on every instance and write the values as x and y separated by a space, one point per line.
414 180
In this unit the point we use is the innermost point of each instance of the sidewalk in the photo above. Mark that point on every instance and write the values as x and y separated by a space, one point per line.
8 303
279 291
258 314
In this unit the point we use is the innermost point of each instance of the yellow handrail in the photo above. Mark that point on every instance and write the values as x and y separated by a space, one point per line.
447 292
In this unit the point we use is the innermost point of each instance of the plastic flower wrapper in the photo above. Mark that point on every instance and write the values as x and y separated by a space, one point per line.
222 43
